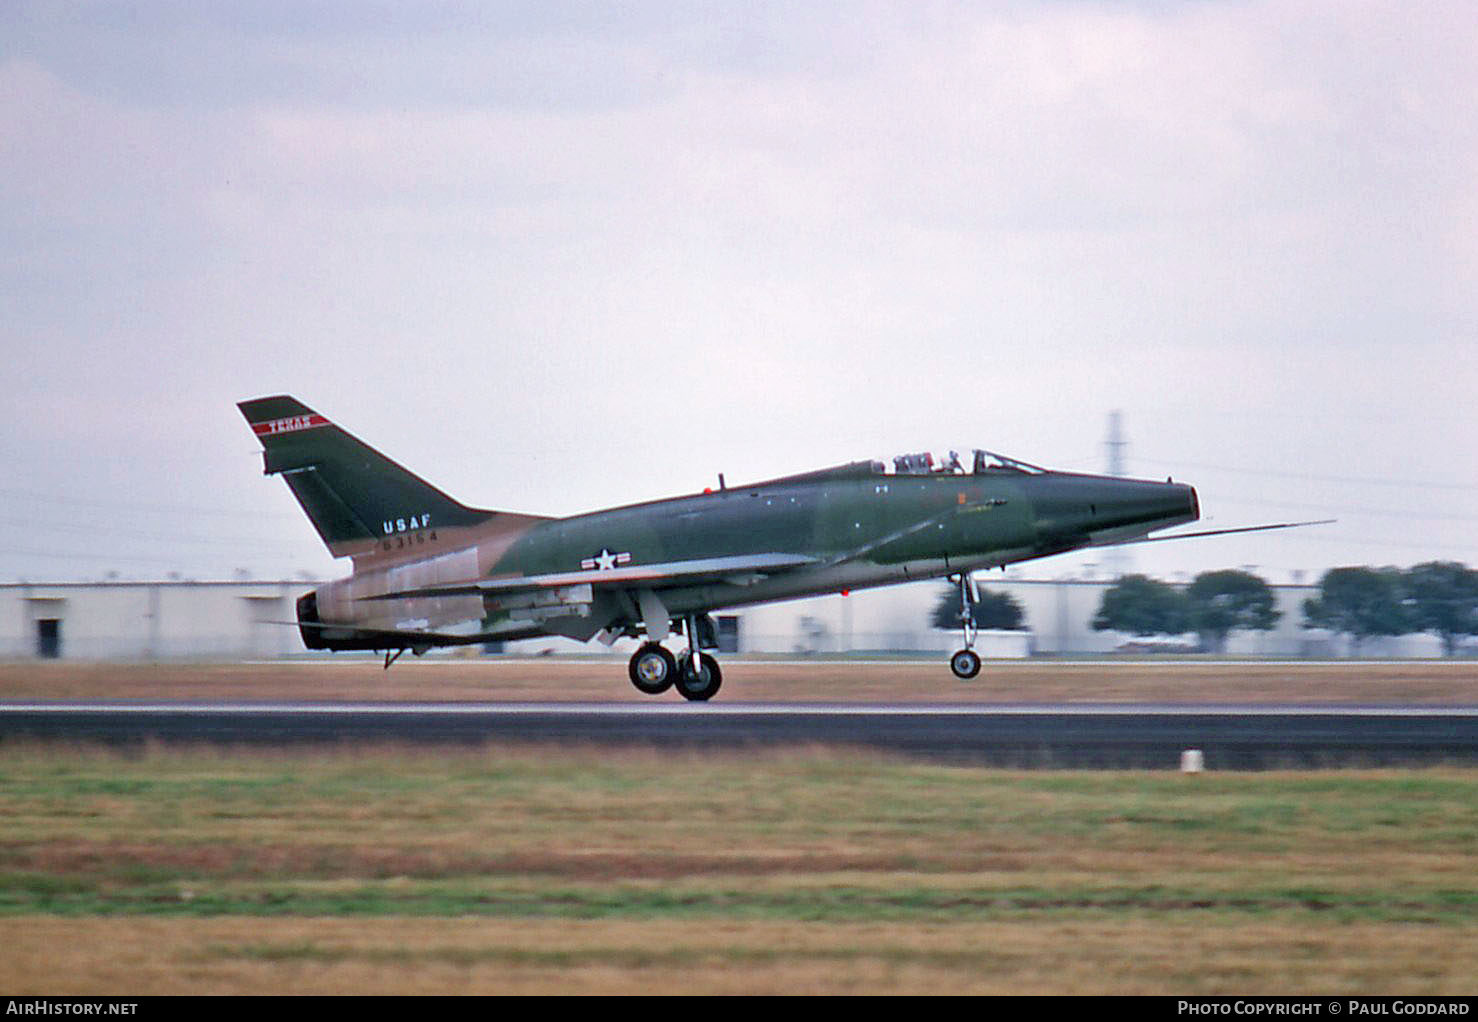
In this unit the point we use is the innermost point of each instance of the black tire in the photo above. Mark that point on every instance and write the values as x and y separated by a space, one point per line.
965 664
652 669
702 685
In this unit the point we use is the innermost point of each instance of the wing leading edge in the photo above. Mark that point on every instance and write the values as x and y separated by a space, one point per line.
737 570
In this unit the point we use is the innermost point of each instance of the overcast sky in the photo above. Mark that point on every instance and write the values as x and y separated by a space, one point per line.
559 256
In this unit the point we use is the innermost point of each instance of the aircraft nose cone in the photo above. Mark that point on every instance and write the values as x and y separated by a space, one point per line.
1181 502
1142 505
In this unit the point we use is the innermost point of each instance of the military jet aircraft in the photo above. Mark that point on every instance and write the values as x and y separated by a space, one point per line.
429 571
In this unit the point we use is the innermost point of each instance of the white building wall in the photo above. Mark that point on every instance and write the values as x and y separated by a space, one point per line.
146 620
178 620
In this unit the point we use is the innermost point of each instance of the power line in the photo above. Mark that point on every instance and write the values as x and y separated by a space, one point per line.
1388 543
99 558
120 505
1352 509
1305 476
108 532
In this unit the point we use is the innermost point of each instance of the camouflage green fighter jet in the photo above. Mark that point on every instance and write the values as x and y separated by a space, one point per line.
429 571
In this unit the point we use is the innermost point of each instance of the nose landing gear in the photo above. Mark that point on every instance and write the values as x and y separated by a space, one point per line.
965 663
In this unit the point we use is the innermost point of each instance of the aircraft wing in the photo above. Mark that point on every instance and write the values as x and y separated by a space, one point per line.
740 570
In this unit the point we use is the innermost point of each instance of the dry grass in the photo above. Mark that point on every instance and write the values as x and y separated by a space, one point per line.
392 870
494 679
496 956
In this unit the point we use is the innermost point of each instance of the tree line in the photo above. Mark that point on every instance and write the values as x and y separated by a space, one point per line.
1440 597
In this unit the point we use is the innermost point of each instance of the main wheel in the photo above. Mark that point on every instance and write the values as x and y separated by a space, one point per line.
652 669
699 685
965 664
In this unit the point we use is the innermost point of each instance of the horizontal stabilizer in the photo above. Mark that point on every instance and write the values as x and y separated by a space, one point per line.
345 637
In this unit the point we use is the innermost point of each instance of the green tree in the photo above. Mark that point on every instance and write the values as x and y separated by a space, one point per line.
1222 602
1142 606
1360 602
1442 597
993 610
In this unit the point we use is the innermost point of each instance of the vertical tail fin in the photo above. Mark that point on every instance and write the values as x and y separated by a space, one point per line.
353 494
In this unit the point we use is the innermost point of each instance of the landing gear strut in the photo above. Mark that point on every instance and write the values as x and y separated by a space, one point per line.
701 684
653 669
966 662
698 676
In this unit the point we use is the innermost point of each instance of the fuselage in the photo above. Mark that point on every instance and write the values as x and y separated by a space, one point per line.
856 526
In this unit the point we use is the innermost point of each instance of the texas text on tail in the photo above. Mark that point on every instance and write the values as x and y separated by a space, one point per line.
429 571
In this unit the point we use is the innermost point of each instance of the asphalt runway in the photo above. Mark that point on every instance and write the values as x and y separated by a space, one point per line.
1117 736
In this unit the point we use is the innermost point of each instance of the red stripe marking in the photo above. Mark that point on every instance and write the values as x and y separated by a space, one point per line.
288 425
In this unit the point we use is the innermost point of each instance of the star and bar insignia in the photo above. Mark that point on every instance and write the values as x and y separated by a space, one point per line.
604 561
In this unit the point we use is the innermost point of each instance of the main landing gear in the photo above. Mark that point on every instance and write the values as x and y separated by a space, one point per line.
653 669
698 676
966 662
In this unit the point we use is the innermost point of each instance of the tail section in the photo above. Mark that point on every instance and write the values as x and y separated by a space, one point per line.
354 495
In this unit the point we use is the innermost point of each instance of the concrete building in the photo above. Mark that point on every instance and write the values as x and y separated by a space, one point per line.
204 620
148 620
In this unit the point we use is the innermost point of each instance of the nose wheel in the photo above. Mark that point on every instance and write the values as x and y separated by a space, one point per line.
966 662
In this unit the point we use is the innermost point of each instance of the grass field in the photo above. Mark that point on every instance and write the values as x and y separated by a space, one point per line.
831 680
402 870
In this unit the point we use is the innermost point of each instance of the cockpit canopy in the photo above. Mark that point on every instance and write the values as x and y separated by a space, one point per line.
981 462
924 463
